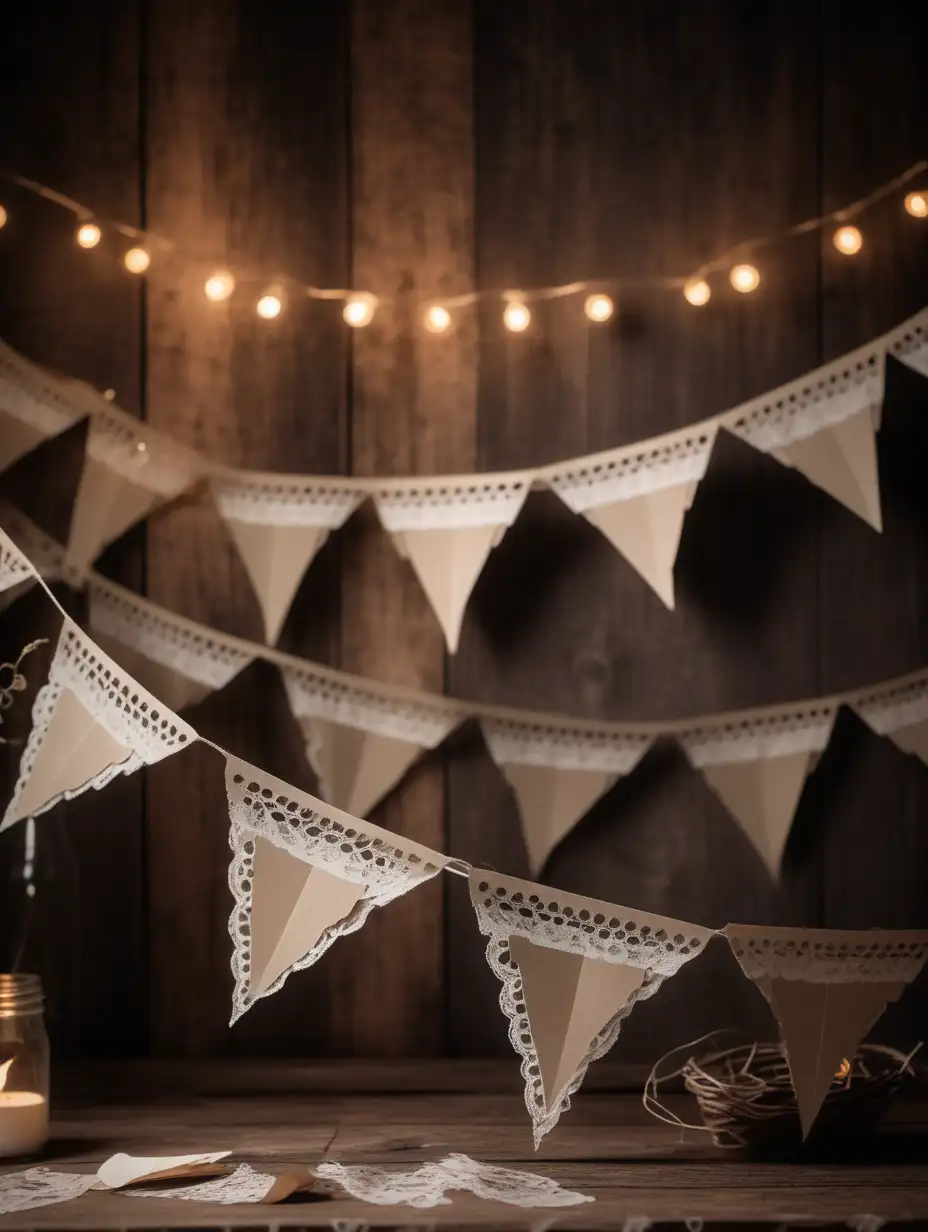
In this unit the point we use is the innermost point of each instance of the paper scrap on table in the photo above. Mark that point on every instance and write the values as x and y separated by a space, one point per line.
120 1170
242 1185
24 1191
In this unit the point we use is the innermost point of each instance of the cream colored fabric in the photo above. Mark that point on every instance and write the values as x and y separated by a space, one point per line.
106 506
762 795
447 563
551 802
356 768
841 459
276 557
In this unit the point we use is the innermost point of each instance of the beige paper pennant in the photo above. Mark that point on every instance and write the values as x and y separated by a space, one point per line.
762 795
75 750
841 460
356 768
171 687
292 905
569 1000
646 529
276 558
912 739
106 506
447 562
551 801
17 439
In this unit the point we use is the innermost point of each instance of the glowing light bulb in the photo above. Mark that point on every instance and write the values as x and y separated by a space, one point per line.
3 217
598 307
848 240
696 291
437 319
916 204
137 260
270 305
219 286
744 278
89 235
359 310
516 316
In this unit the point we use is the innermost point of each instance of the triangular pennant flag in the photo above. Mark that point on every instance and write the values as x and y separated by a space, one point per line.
91 722
16 439
899 711
557 773
551 952
763 796
128 471
646 530
177 660
827 987
276 557
303 874
16 570
913 739
841 460
34 406
357 768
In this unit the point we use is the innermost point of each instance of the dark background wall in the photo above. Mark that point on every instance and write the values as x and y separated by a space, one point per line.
415 147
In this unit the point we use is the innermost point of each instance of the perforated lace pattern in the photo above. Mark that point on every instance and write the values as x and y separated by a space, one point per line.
32 544
141 455
35 1187
14 567
804 729
829 956
284 500
426 1185
242 1185
655 944
321 694
448 503
33 396
909 343
513 743
127 711
890 710
191 651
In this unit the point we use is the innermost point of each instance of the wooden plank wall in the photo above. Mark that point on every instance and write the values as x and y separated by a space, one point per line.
421 147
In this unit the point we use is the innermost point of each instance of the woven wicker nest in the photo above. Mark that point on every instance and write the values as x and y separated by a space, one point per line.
746 1096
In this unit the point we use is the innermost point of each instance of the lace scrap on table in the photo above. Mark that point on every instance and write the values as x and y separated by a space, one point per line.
195 652
443 502
829 956
285 500
564 746
801 729
320 693
140 454
385 864
34 1187
656 944
242 1185
120 705
895 707
426 1186
14 566
633 470
34 396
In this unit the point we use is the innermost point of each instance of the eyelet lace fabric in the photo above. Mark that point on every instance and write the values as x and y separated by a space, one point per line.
802 729
14 567
242 1185
909 343
284 500
574 747
444 502
39 550
140 454
386 865
34 396
127 711
35 1187
904 704
426 1186
507 906
828 956
166 639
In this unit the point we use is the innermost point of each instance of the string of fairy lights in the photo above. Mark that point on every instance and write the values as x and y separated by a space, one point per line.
740 265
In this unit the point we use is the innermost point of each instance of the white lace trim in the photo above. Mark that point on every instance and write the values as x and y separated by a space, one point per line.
909 342
443 502
127 711
285 500
564 747
39 550
828 956
802 729
14 567
656 944
242 1185
35 1187
633 470
426 1185
320 693
889 710
187 648
140 454
33 396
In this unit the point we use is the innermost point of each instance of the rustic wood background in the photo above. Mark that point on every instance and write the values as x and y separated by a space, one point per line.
428 146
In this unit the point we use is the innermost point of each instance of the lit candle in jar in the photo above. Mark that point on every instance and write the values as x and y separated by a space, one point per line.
23 1119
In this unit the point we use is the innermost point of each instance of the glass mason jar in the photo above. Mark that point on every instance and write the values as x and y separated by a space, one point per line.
23 1066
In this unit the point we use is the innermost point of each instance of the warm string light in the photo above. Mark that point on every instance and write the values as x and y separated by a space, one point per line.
89 235
359 310
437 319
848 240
598 307
137 260
271 304
3 217
916 204
219 286
744 278
696 291
516 316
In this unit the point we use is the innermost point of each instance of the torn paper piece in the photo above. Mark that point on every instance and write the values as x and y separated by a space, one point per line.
121 1170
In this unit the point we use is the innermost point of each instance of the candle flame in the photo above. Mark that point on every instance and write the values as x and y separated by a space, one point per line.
4 1070
843 1070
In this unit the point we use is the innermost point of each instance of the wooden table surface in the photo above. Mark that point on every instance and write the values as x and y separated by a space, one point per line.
405 1112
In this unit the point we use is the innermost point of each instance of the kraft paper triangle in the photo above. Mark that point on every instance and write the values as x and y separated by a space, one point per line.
820 1026
106 506
762 796
276 557
841 460
551 801
569 999
74 750
292 904
172 688
646 530
447 564
17 439
356 768
912 739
